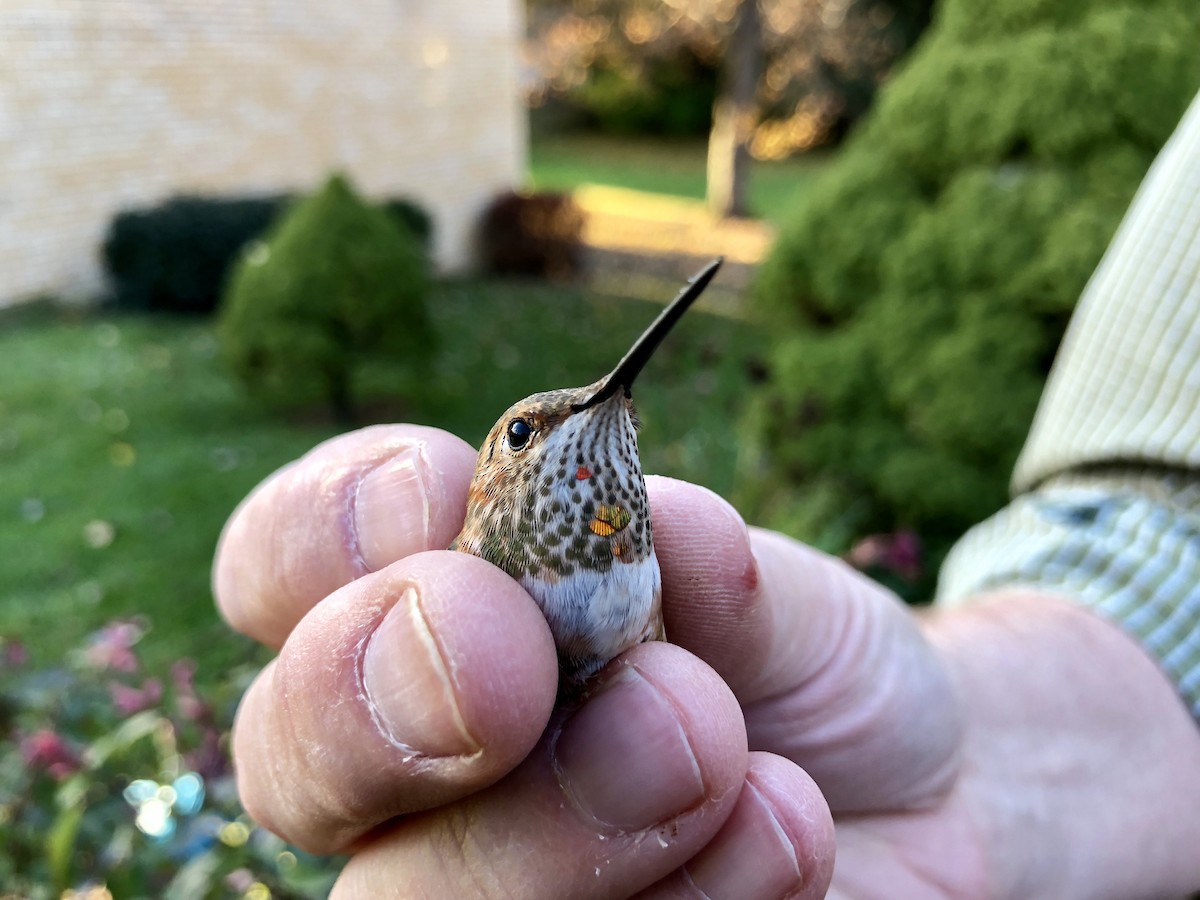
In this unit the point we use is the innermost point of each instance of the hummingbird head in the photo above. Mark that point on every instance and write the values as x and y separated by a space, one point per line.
558 483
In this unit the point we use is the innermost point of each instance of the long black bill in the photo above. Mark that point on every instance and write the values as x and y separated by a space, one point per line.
643 348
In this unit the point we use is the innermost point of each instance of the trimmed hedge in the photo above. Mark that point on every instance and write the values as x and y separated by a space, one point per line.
923 286
176 256
532 234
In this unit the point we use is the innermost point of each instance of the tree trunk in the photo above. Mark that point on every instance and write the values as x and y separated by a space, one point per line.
735 115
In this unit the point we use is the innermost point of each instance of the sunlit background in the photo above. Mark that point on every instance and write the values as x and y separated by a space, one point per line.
229 231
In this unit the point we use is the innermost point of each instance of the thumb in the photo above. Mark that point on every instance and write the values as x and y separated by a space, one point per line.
861 698
832 670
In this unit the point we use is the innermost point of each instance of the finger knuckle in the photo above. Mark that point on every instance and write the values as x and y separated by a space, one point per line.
467 861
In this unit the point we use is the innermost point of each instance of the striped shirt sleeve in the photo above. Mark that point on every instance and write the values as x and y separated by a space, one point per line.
1106 502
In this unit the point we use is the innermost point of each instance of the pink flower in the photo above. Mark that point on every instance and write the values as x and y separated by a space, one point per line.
191 708
112 647
898 553
904 554
868 552
129 700
187 702
13 654
183 675
240 880
209 759
46 750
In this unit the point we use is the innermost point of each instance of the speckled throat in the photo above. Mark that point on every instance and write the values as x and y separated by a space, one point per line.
578 499
558 501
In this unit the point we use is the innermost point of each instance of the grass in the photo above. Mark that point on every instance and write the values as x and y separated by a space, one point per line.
125 445
566 161
123 448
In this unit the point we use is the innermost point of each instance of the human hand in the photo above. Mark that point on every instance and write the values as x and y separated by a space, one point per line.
404 725
403 719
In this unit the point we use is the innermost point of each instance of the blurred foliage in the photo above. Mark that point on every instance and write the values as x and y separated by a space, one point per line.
413 217
336 279
922 286
115 782
532 234
639 66
671 95
568 161
175 257
126 444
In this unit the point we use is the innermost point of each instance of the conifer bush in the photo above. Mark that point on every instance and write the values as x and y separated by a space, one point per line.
923 286
175 256
334 280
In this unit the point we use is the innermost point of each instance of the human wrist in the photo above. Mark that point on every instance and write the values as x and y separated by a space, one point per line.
1083 777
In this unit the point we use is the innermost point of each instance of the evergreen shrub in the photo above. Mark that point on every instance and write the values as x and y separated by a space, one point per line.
333 281
176 256
922 287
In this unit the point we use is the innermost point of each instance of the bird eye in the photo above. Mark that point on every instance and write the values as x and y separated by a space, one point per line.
518 434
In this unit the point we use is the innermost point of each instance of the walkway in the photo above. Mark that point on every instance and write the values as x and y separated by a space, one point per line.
632 238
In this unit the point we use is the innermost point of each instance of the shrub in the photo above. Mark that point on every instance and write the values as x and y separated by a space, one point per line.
412 216
175 257
532 234
116 778
335 279
670 96
923 286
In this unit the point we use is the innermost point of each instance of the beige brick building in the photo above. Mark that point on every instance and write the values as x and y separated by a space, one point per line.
111 104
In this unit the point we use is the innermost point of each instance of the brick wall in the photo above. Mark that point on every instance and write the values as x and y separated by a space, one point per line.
110 104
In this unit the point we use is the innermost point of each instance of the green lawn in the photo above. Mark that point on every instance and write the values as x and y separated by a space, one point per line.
565 161
124 444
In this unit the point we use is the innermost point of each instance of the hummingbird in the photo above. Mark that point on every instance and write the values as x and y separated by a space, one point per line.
558 501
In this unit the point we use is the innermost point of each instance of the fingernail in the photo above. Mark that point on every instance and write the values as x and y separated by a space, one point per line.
624 758
392 511
751 858
408 688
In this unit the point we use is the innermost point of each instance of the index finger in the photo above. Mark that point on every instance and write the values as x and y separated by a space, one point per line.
351 506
